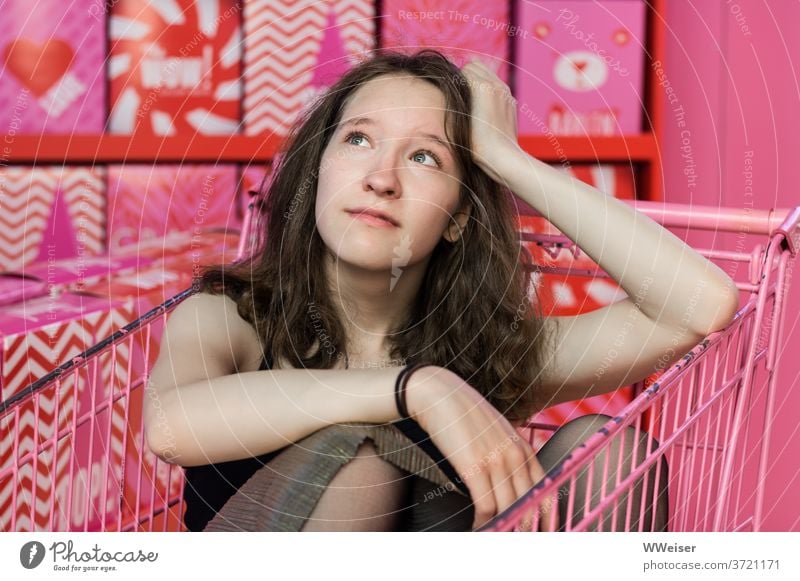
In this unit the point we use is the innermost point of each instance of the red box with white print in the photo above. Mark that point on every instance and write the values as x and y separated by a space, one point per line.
175 67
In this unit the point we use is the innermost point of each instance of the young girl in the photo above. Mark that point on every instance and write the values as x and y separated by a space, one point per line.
391 242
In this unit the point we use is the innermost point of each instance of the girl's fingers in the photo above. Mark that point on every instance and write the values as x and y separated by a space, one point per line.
483 499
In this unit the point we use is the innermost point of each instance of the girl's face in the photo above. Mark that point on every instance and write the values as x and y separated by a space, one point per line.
389 154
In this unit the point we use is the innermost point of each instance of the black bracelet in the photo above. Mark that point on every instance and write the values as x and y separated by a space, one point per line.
400 388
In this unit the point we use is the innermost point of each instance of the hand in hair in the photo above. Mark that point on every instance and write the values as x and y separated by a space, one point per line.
494 118
494 461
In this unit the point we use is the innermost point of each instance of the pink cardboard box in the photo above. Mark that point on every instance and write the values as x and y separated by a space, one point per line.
35 337
52 80
175 67
152 202
293 52
50 213
581 67
57 276
462 29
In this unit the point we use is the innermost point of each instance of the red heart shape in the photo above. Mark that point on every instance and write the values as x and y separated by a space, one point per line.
38 66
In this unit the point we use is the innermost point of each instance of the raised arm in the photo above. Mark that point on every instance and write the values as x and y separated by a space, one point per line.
199 410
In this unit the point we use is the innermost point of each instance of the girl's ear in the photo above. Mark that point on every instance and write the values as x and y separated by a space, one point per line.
453 231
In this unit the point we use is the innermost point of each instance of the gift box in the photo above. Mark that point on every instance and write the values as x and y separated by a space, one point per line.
35 337
295 51
577 291
50 213
53 54
175 67
154 202
581 67
462 29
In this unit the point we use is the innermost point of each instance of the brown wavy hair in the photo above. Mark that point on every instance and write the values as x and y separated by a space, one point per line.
476 312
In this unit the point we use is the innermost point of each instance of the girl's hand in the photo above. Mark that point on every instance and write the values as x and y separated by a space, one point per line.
494 461
494 118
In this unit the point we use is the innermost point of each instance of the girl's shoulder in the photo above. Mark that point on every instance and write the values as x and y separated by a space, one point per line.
214 319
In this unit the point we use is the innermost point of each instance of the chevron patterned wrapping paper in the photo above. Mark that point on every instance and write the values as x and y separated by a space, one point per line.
294 51
50 213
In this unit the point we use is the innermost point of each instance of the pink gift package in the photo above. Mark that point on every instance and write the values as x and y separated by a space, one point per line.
50 213
462 29
35 337
581 67
153 202
296 50
52 56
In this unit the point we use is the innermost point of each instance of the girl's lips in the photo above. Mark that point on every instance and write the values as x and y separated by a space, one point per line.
372 220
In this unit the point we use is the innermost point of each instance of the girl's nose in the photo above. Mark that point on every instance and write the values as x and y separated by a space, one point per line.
383 175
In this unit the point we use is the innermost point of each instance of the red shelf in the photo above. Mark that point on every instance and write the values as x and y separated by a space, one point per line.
101 149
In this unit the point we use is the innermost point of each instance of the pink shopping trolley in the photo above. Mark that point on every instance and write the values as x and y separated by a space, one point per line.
73 455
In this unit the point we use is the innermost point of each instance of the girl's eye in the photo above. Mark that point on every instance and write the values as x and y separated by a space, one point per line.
421 153
353 134
424 152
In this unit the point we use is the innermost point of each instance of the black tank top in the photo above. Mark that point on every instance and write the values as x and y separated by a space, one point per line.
207 488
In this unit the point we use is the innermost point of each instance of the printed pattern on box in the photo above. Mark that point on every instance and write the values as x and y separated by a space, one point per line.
52 55
461 29
294 52
38 336
50 213
152 202
175 67
581 67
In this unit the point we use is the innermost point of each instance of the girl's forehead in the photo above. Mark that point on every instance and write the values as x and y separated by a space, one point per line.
393 92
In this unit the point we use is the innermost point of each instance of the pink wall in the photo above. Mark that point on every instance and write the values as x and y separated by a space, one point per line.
740 91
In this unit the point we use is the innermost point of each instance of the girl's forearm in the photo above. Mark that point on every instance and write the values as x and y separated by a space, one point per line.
664 276
251 413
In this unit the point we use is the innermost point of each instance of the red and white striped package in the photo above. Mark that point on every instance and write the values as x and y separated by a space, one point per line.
37 336
175 67
563 295
295 51
50 213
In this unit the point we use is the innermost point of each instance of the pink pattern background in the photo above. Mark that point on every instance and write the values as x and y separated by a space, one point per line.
61 42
